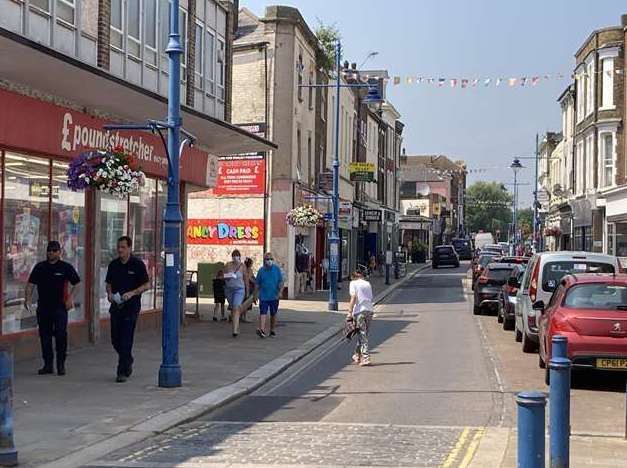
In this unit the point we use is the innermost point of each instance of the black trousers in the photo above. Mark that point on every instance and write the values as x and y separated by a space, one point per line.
52 322
123 322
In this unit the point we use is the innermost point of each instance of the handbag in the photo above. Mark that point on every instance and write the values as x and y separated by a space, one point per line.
350 328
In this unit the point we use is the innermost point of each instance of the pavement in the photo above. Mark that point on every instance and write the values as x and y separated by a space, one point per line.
71 420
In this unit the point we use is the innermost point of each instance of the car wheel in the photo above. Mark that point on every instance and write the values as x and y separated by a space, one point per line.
547 376
476 310
517 335
499 315
541 362
508 324
528 346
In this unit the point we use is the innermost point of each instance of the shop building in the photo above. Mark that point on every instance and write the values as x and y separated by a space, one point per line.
58 93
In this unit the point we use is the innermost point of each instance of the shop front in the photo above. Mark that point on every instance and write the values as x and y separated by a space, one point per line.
582 225
616 226
37 142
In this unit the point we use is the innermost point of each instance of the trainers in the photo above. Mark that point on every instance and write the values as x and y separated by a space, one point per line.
365 362
215 319
260 333
272 333
45 370
121 378
61 370
356 358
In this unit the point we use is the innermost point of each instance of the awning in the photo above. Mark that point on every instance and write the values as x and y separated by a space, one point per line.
23 61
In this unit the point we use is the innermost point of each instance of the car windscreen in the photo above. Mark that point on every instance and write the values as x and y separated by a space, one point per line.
597 296
485 259
553 272
444 250
499 274
460 244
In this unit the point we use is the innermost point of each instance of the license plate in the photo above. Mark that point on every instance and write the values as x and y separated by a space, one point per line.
603 363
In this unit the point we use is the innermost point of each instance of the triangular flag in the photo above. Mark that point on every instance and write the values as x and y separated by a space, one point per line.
441 82
512 81
397 80
523 81
498 81
535 80
487 81
409 80
560 76
474 82
547 77
453 83
419 80
464 83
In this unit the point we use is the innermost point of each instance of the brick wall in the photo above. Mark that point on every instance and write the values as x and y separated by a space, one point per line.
191 53
104 31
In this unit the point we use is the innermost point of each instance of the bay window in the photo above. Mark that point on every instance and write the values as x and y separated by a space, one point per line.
606 146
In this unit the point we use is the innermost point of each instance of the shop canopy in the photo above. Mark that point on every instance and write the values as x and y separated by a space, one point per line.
26 62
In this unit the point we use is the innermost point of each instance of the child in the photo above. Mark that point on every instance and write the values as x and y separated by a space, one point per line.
218 295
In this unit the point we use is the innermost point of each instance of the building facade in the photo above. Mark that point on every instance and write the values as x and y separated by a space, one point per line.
69 69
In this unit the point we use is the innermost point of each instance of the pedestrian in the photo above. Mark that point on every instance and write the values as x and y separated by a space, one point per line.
56 282
218 295
248 302
126 280
236 288
269 284
361 310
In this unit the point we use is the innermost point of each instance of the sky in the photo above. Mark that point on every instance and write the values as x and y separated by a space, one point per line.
485 126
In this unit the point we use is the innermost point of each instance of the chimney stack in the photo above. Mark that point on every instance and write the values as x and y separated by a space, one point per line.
623 20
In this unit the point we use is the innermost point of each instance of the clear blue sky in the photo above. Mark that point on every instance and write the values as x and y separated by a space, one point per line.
486 127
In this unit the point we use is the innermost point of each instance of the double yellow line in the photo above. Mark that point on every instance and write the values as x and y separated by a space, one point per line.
465 448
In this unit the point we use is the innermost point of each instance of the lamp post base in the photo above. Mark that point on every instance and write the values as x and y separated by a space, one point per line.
170 376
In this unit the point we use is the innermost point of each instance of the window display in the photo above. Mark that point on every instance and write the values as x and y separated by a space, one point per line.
26 208
113 223
162 198
144 233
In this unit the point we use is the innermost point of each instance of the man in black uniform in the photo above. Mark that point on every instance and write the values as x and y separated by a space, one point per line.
126 280
56 281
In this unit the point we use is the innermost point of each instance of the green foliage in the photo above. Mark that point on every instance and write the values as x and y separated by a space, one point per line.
525 220
328 35
418 247
488 208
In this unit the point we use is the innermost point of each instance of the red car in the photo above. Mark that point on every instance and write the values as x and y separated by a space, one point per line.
591 311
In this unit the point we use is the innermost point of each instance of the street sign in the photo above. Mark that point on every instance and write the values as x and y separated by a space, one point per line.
334 255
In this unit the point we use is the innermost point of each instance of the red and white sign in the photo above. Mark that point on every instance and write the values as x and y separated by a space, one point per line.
239 175
225 231
28 124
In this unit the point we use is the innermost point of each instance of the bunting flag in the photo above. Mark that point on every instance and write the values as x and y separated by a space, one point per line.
524 81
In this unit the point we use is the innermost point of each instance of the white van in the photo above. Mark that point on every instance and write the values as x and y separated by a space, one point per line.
483 238
543 275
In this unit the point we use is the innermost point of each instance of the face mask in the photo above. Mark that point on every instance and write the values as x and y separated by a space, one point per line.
237 259
268 263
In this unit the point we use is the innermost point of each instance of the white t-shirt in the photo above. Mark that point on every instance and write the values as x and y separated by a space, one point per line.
362 289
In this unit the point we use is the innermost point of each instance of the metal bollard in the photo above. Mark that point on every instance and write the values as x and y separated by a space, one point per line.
531 429
559 403
8 454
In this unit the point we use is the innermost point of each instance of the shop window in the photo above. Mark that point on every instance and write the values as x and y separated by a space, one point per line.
113 222
621 240
143 232
162 196
611 239
68 227
26 209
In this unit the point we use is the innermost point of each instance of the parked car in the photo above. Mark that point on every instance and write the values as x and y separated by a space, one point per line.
444 255
506 313
489 285
463 248
517 260
590 310
483 238
544 272
480 265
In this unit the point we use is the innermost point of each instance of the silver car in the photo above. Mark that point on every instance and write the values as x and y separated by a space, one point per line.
543 274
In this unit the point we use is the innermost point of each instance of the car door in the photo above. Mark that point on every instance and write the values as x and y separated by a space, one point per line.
523 293
544 321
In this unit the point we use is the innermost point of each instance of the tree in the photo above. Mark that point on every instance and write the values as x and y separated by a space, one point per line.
525 221
328 35
488 208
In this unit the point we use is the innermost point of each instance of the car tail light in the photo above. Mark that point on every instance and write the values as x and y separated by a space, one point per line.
483 279
533 287
561 323
531 322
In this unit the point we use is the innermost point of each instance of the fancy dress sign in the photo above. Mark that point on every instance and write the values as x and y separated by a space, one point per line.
225 231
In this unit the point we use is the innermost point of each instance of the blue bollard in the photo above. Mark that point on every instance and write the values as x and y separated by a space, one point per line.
531 429
8 454
559 403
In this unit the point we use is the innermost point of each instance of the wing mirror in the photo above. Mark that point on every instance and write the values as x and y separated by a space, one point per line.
538 305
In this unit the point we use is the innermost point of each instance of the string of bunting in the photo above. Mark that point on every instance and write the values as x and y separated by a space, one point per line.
485 82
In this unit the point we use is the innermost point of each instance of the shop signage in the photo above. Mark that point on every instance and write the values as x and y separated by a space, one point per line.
239 175
225 231
256 128
42 190
361 172
43 127
345 211
412 225
325 181
371 215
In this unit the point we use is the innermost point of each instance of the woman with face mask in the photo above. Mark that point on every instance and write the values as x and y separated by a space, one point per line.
236 287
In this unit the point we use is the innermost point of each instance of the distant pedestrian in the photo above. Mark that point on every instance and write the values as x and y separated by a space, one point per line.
361 310
218 295
248 302
126 280
236 277
56 282
269 285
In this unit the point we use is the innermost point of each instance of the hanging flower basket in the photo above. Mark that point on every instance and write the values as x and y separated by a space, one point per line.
553 231
304 216
114 172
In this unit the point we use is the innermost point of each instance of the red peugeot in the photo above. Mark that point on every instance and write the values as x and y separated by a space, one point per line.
591 311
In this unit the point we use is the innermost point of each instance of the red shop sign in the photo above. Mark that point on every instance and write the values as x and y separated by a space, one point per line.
225 231
241 175
28 124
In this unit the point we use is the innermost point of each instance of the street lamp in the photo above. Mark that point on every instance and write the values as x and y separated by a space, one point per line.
515 166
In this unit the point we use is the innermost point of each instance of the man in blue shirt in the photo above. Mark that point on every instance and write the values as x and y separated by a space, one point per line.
269 285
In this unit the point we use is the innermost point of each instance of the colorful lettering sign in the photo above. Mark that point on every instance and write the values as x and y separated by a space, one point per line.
241 175
225 231
361 172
